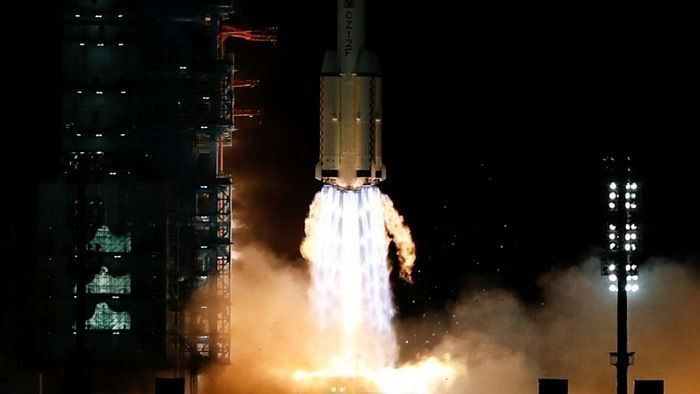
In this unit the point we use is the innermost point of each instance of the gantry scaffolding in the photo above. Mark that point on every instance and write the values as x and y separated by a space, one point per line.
212 225
148 93
195 87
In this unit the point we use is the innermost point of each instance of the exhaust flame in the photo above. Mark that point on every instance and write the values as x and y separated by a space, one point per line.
401 236
346 246
430 375
347 238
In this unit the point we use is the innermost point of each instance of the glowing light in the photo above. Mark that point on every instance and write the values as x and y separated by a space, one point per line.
77 15
82 44
612 277
627 205
426 376
633 226
611 267
627 196
611 205
121 44
612 195
628 247
612 288
634 186
635 288
612 245
633 236
107 242
628 287
400 234
346 246
347 237
611 236
98 16
613 186
628 267
628 236
104 283
105 318
612 227
635 277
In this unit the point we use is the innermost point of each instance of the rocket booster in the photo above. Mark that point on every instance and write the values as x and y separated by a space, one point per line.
351 106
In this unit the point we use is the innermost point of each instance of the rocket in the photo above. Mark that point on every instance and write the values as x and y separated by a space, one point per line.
350 154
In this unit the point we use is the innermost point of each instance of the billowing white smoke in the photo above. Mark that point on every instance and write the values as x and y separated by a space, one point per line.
346 247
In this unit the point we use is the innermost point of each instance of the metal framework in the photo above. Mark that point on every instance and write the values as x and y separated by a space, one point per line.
268 34
107 242
105 318
210 324
104 283
82 170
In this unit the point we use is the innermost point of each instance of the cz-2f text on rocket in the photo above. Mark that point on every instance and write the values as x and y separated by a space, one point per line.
351 106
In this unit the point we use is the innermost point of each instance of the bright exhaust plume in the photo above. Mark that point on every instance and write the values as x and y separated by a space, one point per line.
348 233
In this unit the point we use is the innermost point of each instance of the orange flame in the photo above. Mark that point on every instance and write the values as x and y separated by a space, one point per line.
400 234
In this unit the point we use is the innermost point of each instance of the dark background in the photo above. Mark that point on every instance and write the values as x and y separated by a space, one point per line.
495 119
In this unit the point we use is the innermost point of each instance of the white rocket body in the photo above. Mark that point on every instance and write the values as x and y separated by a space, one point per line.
351 107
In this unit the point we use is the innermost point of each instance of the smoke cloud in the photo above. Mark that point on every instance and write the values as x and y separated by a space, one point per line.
504 344
507 345
271 325
497 343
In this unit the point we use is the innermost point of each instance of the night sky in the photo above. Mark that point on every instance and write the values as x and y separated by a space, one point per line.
495 118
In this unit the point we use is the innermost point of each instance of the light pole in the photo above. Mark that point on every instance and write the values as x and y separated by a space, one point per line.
622 245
